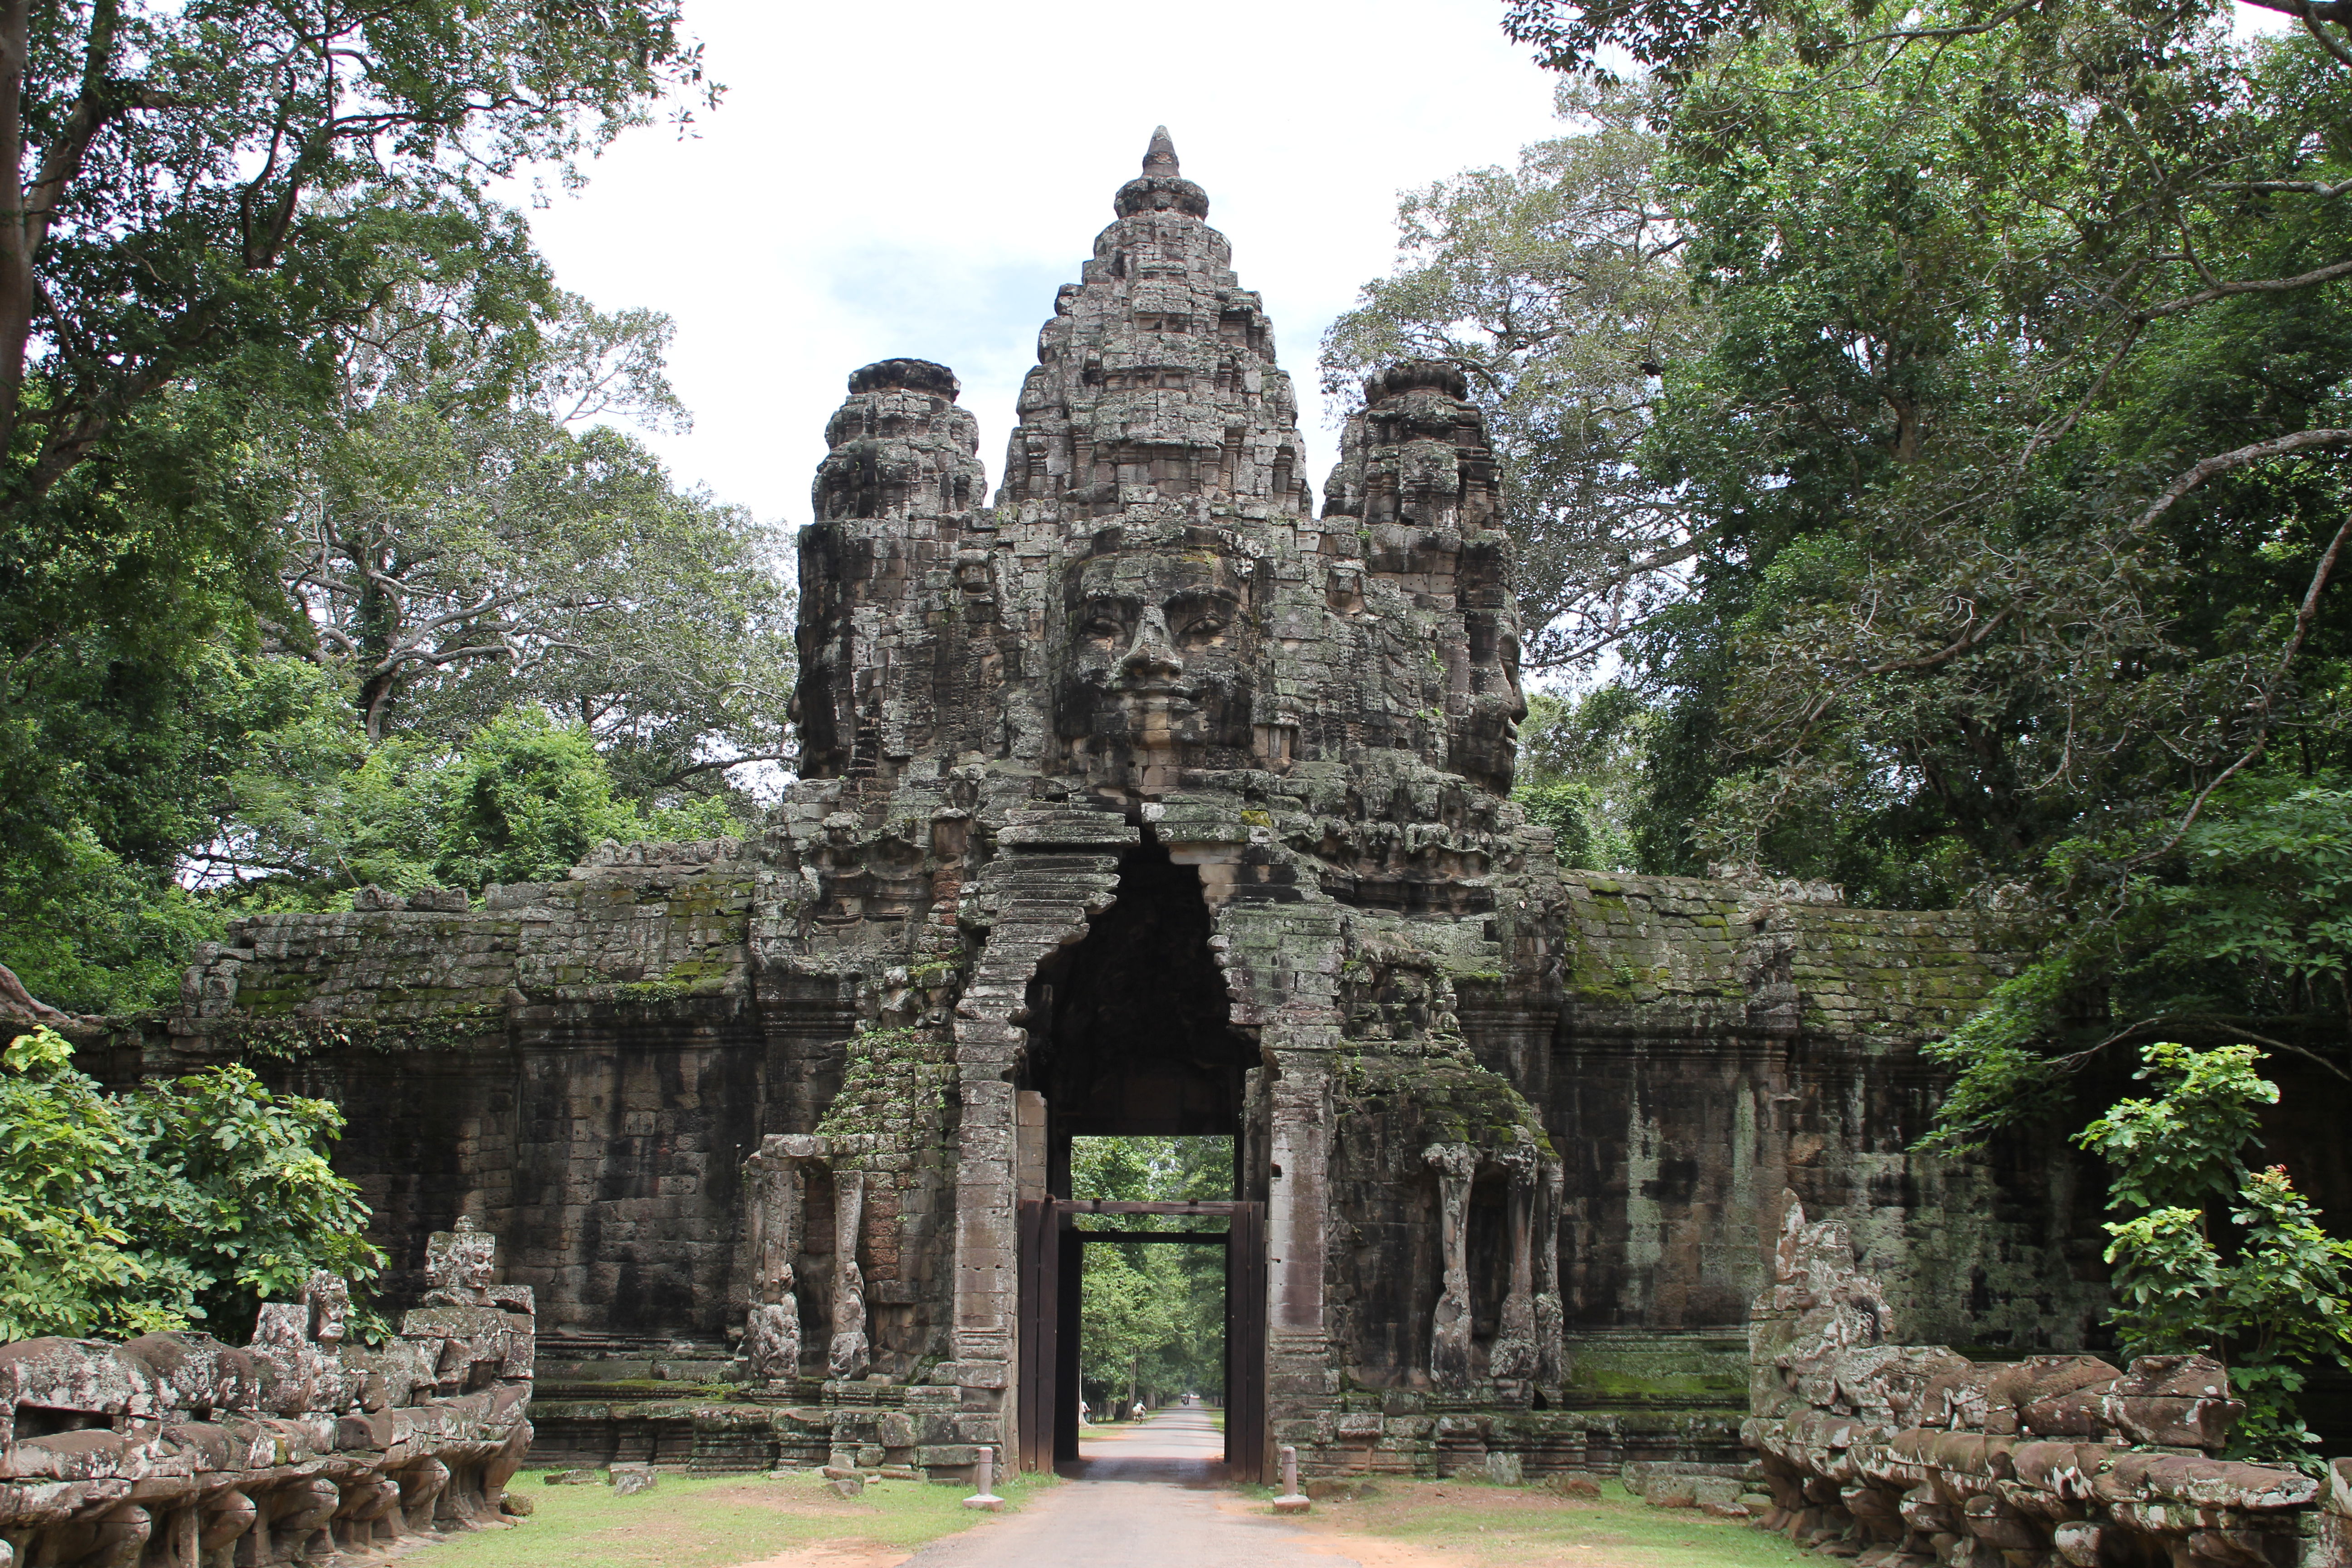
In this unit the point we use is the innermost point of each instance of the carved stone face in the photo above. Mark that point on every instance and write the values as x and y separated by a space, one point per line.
1156 666
460 1261
330 1295
1484 745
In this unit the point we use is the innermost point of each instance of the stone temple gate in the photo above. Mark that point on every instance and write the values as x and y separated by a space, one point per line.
1147 799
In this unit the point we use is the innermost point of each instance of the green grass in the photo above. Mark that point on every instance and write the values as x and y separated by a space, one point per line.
1526 1525
710 1522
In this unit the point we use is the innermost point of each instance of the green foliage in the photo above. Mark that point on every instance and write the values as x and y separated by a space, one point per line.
523 799
2276 1302
262 287
215 181
1152 1322
1558 288
1581 774
2240 927
174 1202
524 802
2009 446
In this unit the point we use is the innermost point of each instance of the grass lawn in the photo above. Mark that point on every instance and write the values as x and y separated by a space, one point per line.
710 1521
1526 1525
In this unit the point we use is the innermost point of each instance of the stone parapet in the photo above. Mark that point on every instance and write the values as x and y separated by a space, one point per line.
174 1450
1910 1455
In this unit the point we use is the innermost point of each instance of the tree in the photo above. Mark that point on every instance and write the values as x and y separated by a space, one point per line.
1152 1321
457 546
189 182
1966 421
210 201
523 799
1675 38
1557 289
1581 773
2274 1304
176 1202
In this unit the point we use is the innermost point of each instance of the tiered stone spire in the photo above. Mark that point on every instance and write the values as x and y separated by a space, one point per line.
1156 378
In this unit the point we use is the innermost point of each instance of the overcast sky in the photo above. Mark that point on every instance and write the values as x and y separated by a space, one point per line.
919 177
916 177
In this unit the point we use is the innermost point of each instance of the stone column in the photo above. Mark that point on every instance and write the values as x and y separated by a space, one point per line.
771 1330
1449 1332
1514 1359
849 1347
1551 1315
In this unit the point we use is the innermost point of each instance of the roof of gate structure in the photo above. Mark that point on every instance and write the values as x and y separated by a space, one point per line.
1157 369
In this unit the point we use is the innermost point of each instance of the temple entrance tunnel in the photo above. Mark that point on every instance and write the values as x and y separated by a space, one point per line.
1137 1092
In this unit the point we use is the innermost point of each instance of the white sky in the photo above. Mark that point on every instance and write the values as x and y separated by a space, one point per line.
917 178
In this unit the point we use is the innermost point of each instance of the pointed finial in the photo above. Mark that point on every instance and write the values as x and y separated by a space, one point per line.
1162 187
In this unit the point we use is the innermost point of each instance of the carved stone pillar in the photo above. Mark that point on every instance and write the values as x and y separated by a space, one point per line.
1551 1315
1449 1330
849 1346
1514 1359
772 1332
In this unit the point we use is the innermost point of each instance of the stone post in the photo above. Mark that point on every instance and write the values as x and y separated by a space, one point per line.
772 1333
1551 1315
849 1348
1449 1332
1515 1355
983 1478
1292 1499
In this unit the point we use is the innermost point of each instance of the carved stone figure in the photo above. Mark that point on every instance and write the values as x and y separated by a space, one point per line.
850 1353
771 1330
1450 1323
1159 665
1909 1452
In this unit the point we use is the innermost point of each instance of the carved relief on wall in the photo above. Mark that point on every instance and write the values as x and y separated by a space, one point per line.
1157 660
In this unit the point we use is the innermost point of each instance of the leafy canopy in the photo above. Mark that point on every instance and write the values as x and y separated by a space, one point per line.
2274 1304
179 1203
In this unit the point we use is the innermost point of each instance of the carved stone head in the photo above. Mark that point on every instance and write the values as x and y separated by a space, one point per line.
1156 669
329 1297
1482 739
458 1263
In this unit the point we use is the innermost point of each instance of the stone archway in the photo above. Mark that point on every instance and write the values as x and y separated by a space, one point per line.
1131 1034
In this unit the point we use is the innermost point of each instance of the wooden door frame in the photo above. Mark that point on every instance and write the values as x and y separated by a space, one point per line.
1047 1257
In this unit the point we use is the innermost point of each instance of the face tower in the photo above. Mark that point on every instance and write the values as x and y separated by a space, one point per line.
1189 809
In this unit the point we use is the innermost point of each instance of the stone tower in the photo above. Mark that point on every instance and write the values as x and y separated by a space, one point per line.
1146 801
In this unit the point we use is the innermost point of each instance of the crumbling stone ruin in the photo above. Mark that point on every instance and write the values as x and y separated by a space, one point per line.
1907 1456
174 1450
1148 800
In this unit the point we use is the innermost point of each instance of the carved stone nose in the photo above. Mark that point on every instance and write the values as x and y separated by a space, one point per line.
1151 656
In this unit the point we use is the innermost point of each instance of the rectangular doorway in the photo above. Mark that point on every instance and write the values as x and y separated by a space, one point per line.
1052 1283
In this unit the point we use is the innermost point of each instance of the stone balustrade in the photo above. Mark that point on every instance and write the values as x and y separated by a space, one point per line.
175 1450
